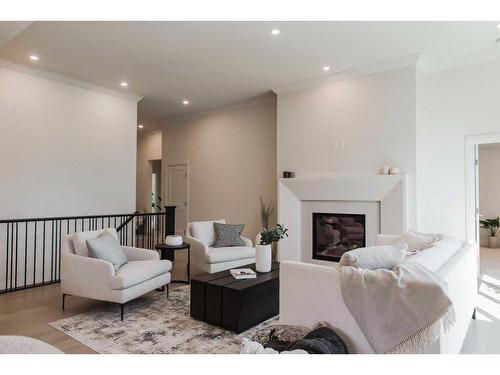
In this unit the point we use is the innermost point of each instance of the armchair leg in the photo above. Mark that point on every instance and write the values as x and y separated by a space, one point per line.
474 314
122 307
63 300
168 291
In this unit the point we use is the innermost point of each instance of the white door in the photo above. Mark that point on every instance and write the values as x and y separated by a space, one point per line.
177 194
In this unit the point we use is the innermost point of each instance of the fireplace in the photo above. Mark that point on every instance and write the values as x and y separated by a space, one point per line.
334 234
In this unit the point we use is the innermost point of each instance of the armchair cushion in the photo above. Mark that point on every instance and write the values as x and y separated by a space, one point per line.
139 271
106 247
226 254
204 231
80 239
228 235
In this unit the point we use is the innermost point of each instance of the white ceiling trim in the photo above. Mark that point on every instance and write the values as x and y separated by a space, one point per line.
68 81
426 65
382 66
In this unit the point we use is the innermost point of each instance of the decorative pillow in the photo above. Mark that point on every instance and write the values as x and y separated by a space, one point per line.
375 257
80 239
436 236
204 231
106 247
227 235
416 242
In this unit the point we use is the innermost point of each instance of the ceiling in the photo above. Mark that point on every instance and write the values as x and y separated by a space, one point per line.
214 64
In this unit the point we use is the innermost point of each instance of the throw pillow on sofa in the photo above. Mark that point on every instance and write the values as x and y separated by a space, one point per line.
416 242
106 247
375 257
228 235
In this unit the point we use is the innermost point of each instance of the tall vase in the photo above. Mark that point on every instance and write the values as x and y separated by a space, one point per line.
492 242
263 255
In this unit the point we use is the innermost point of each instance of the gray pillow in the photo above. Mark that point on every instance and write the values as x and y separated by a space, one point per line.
106 247
227 235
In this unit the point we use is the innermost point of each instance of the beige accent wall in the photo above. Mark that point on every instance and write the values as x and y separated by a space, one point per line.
149 147
231 153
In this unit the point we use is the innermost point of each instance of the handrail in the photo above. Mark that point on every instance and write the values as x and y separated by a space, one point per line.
31 248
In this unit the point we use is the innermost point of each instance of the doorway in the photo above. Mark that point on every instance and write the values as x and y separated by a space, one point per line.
482 159
178 194
156 204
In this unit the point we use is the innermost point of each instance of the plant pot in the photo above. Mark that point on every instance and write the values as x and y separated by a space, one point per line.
492 242
263 257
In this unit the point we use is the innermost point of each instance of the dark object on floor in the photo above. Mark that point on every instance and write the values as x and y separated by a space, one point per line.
320 340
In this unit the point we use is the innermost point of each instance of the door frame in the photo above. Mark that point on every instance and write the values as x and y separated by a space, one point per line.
472 143
167 185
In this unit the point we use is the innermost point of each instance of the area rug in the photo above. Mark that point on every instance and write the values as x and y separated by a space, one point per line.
153 324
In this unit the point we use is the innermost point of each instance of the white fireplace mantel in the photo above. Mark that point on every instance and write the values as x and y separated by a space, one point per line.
389 190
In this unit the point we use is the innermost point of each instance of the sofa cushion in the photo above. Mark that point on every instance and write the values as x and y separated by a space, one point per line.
204 231
226 254
228 235
375 257
107 247
416 242
139 271
80 239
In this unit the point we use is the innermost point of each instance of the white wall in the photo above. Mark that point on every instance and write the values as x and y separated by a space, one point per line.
374 115
451 105
489 185
64 150
149 147
231 154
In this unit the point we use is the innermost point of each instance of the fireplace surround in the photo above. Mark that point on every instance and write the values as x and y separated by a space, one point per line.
384 200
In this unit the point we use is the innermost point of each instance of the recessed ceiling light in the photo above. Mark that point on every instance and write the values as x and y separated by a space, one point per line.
326 68
34 57
185 102
124 84
275 31
140 126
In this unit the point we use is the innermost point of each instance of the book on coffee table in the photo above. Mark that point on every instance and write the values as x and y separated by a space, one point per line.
243 273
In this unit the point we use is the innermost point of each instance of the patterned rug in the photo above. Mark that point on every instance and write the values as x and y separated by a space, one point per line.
153 324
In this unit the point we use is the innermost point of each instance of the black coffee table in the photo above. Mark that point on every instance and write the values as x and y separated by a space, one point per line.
168 252
236 305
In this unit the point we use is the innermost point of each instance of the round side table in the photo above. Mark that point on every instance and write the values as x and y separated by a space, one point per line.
168 252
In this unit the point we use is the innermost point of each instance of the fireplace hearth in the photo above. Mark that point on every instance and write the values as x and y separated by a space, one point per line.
335 233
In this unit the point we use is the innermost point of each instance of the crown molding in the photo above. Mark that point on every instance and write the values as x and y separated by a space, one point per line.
378 67
68 80
427 65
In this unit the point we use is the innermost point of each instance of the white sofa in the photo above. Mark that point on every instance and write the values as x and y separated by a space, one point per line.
88 277
214 259
311 293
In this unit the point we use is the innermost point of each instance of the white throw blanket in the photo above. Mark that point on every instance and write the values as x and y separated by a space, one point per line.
403 310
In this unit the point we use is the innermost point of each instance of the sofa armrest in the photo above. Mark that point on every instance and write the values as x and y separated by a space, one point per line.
81 275
135 253
198 250
247 241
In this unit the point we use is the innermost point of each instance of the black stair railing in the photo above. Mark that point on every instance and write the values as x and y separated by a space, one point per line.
30 249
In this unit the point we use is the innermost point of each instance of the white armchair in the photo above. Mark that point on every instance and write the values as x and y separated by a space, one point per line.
214 259
88 277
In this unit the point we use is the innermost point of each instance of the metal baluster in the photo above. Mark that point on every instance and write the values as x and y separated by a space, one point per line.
25 252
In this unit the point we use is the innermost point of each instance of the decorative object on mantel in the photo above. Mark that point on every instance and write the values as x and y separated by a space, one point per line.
173 240
385 170
265 213
263 251
491 225
394 170
288 174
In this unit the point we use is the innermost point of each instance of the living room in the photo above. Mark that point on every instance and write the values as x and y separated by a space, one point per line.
180 186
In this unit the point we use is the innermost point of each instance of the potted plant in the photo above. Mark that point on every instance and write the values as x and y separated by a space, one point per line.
491 225
263 252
